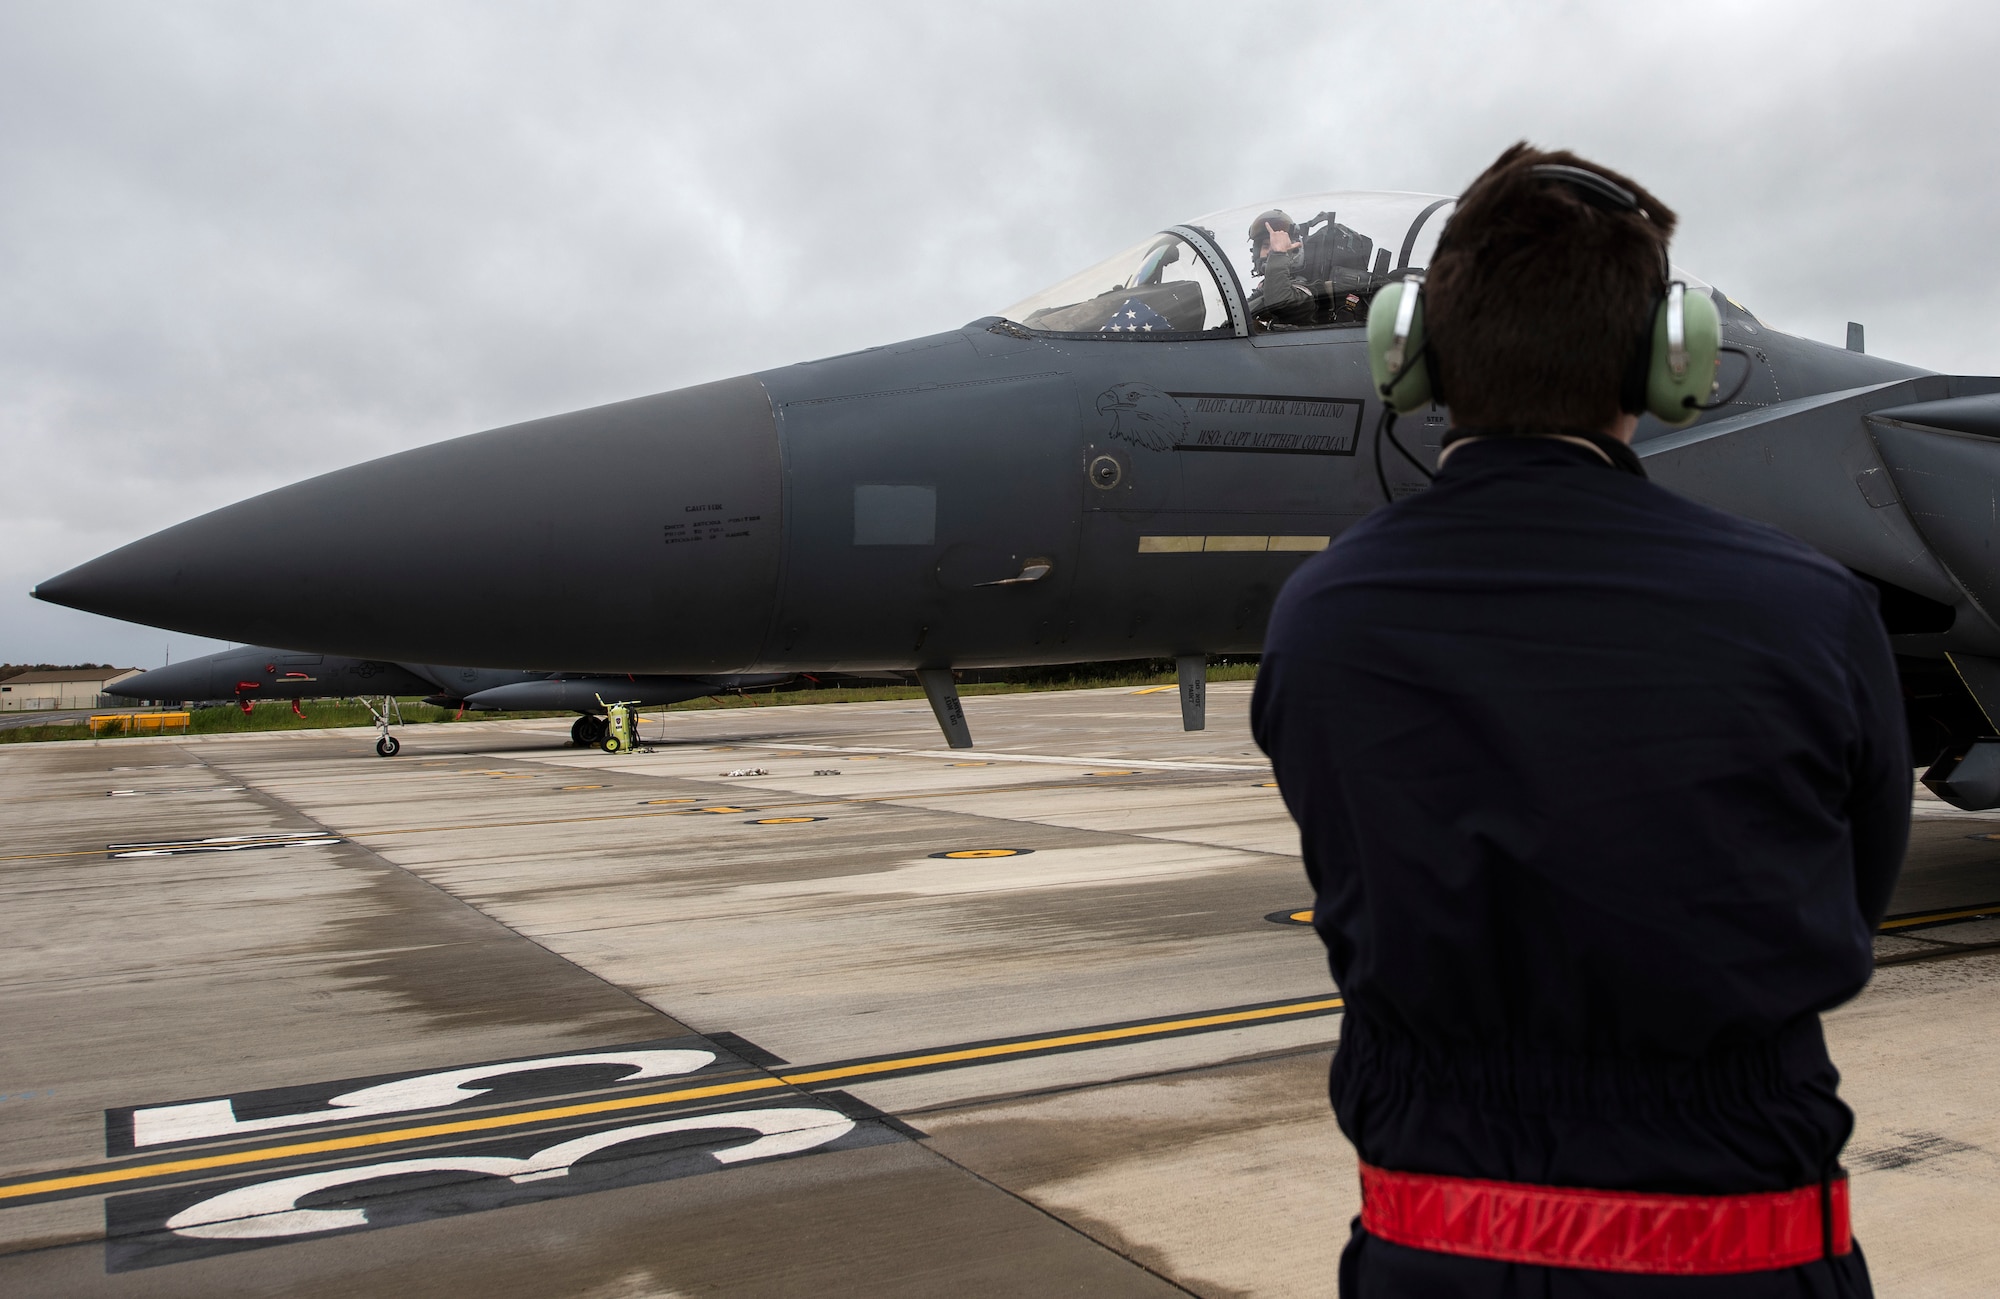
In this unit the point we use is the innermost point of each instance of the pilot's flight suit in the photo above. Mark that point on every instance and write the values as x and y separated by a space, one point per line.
1281 296
1602 793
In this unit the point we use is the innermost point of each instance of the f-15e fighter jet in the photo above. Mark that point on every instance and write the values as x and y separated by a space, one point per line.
253 672
1128 463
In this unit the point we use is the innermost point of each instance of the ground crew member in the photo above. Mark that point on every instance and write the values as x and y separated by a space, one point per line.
1602 793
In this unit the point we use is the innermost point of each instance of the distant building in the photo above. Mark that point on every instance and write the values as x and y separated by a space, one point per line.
74 688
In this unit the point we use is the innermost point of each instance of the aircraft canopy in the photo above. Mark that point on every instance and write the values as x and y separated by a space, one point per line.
1310 262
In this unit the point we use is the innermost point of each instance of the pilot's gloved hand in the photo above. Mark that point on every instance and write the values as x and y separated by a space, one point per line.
1281 269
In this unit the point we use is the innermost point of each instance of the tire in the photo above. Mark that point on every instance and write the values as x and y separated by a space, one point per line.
388 746
611 744
579 732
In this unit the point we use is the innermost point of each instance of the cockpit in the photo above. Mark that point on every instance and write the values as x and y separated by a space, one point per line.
1299 263
1310 262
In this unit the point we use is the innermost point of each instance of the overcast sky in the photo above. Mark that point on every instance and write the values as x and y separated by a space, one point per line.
241 244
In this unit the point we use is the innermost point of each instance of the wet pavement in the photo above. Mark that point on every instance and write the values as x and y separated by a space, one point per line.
799 1002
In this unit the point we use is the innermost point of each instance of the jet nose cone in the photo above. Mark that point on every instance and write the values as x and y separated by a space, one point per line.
116 584
652 523
192 680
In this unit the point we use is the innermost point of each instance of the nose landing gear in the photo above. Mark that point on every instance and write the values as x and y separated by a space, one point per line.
389 714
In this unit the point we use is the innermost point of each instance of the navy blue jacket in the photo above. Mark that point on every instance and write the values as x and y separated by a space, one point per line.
1601 793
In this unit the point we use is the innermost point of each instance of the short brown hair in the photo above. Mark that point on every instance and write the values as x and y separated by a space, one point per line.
1539 296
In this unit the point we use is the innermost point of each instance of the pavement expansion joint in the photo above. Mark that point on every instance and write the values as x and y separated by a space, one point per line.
195 789
681 810
1938 952
1075 760
224 843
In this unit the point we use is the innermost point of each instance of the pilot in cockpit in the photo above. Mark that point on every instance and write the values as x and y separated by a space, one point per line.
1277 253
1313 274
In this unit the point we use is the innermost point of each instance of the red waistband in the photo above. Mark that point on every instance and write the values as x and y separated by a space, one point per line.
1606 1231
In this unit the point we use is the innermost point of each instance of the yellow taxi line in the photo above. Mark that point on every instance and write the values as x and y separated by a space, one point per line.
584 1109
1053 1043
1934 917
362 1140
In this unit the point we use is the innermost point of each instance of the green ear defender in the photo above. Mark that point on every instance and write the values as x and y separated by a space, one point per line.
1396 358
1680 356
1680 366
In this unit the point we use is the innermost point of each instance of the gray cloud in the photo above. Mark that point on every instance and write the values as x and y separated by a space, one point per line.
241 244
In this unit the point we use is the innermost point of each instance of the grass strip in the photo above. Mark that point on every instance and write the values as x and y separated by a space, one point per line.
332 714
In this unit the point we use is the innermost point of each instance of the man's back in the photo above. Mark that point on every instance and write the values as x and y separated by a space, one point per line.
1602 793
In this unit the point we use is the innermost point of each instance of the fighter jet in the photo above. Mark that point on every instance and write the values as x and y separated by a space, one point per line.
253 672
1128 463
250 673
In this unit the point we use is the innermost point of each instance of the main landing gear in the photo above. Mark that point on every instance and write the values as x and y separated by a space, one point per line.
587 732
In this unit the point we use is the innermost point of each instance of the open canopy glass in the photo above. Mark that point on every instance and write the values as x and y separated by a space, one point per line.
1160 285
1310 262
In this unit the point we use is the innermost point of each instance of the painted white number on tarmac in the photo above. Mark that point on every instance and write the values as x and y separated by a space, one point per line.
269 1209
206 1120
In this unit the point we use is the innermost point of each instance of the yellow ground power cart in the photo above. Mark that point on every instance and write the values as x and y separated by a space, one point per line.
621 726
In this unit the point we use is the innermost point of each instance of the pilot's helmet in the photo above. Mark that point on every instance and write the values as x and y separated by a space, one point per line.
1260 232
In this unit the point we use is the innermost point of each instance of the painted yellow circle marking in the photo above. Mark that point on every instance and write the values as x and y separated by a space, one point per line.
586 787
1290 917
1267 784
969 854
654 802
1110 773
969 764
784 820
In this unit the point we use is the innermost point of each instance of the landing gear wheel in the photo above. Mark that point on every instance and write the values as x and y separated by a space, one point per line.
611 744
579 732
388 746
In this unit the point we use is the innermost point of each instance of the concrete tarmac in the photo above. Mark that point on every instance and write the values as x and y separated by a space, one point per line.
799 1002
